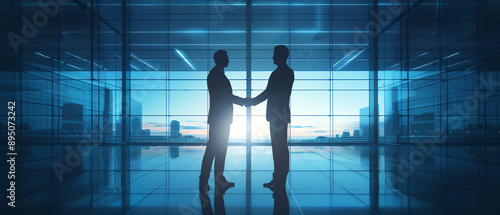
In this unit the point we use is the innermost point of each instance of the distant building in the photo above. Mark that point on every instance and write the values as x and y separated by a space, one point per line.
346 134
189 139
107 113
136 119
136 126
321 139
391 112
146 132
355 133
175 128
135 123
364 122
72 118
337 139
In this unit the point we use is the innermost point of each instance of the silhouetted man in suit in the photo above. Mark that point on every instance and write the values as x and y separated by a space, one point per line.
277 93
220 117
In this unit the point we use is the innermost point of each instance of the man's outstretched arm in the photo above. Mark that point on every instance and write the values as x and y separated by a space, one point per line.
239 101
260 98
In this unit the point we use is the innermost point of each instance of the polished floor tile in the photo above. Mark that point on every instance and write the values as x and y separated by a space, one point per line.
322 180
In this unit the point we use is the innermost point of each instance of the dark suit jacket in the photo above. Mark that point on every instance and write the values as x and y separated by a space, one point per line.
277 93
221 98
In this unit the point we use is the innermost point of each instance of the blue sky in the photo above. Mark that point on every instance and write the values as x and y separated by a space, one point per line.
310 109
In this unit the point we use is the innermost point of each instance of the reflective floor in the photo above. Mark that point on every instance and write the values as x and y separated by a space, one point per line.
323 180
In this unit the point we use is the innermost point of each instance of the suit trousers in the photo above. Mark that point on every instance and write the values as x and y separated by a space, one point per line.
279 147
218 136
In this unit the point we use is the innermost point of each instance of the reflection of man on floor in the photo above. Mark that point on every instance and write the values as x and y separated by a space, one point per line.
220 117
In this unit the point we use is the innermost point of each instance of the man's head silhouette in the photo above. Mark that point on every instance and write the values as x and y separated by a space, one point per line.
280 54
221 58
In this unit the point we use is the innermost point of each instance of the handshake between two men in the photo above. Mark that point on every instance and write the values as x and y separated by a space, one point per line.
247 102
220 117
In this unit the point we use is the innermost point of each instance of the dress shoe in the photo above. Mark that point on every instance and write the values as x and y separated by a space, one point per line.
275 184
223 183
270 184
220 191
204 187
278 188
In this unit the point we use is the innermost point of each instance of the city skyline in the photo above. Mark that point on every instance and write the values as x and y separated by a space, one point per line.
309 109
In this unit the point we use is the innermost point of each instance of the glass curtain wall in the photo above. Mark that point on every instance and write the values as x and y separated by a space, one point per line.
62 70
65 79
331 69
437 73
172 52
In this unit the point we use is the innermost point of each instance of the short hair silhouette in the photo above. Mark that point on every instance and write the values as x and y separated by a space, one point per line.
282 52
220 56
